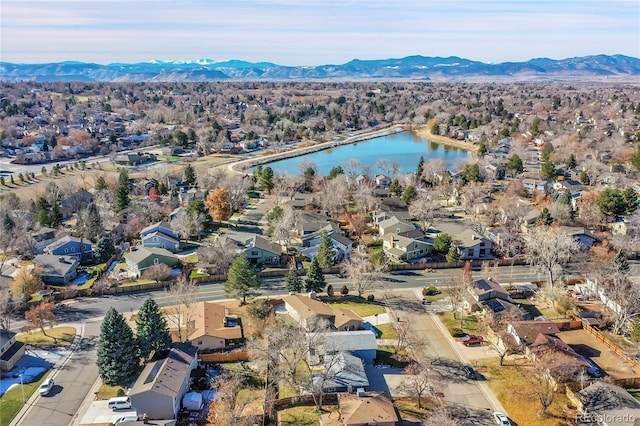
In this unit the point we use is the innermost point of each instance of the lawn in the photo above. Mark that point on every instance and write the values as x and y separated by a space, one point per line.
195 273
59 336
388 332
11 402
385 355
191 258
359 305
514 392
299 416
470 324
408 407
108 392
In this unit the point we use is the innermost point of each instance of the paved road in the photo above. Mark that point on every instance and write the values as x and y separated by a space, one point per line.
469 400
77 377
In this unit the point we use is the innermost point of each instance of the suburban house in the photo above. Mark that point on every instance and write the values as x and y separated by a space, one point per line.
160 235
361 343
383 181
70 247
343 371
57 270
404 248
601 400
472 245
536 185
383 215
139 259
342 246
488 296
10 350
42 238
393 225
211 328
160 387
260 251
308 312
369 408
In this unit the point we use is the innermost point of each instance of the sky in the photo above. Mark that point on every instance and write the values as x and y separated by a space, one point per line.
314 32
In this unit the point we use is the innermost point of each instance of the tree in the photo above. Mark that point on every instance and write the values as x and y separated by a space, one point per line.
123 189
482 150
38 315
184 294
25 283
315 280
418 381
104 249
457 288
335 172
218 256
408 194
325 254
571 162
265 180
548 249
620 263
453 255
242 280
548 170
584 178
395 188
543 386
471 173
152 331
117 351
565 197
330 291
546 151
229 402
293 282
441 243
614 202
514 165
218 204
424 210
419 169
361 271
260 311
91 222
190 175
157 273
635 160
544 218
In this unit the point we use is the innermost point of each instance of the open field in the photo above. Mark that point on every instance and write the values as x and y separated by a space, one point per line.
58 336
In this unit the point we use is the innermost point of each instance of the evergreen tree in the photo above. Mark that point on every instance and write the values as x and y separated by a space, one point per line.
584 178
420 169
152 331
242 280
452 255
43 212
409 194
635 160
325 250
514 165
471 173
395 188
544 218
571 162
548 170
101 184
330 291
334 172
265 181
315 280
565 197
482 150
122 191
620 263
293 282
117 351
442 243
104 249
190 175
92 223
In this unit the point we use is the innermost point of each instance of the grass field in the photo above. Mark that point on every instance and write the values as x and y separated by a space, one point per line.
108 392
360 306
470 324
11 402
388 332
299 416
59 336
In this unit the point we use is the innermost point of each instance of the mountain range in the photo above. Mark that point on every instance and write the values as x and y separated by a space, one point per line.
409 68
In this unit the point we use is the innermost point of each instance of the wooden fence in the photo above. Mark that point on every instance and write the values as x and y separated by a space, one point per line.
609 344
304 400
225 357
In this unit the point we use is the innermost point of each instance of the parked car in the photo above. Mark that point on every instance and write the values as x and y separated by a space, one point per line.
45 387
470 340
501 419
469 372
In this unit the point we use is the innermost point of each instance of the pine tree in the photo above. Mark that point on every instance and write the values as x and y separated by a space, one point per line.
544 218
293 282
565 197
620 263
420 169
452 255
152 331
117 351
325 250
242 280
43 212
265 181
104 249
92 223
101 184
571 162
190 175
315 280
122 191
395 188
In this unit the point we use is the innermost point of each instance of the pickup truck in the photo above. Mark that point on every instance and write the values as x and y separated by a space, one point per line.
471 339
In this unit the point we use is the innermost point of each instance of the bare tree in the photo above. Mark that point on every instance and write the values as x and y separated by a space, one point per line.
503 343
229 403
441 416
188 224
543 387
548 249
623 299
180 315
157 273
418 381
456 289
363 273
218 256
424 209
8 309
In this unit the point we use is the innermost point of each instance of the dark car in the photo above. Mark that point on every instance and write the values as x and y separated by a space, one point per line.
469 372
471 340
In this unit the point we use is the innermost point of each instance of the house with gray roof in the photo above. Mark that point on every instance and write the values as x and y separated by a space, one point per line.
343 371
140 258
608 403
160 235
57 270
473 245
71 247
405 249
159 389
10 350
361 343
342 246
393 225
260 251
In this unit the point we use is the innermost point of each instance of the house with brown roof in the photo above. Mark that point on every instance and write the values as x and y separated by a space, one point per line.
309 312
159 389
370 408
212 328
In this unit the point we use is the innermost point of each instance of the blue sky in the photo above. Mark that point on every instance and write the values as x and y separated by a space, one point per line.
313 32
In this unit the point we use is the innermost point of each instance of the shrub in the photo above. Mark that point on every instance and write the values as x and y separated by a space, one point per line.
330 290
458 332
344 290
371 298
430 291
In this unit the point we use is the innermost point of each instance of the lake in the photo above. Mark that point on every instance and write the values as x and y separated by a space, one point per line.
405 148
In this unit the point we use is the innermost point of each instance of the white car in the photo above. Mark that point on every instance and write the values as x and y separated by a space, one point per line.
501 419
45 387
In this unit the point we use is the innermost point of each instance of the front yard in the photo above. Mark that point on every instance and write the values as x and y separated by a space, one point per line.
59 336
359 305
11 402
469 324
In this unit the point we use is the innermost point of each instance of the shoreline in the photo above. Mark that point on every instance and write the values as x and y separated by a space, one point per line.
423 132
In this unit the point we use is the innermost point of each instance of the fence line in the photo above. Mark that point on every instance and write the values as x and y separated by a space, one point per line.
225 357
609 344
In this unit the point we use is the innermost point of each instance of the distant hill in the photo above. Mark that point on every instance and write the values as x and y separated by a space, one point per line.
409 68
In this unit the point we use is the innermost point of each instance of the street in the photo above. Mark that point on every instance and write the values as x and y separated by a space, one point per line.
76 378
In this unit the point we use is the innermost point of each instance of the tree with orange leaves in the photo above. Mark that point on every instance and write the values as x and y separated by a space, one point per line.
219 204
40 314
